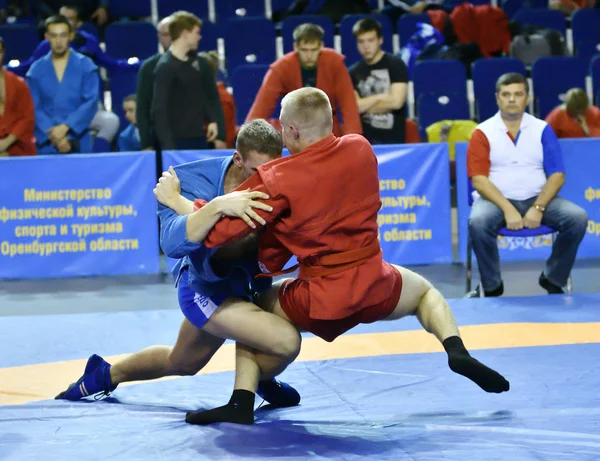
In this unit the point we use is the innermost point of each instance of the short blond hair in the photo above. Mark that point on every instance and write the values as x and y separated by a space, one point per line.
576 101
309 109
182 20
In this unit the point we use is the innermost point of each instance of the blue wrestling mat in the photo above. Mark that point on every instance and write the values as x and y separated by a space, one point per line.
399 402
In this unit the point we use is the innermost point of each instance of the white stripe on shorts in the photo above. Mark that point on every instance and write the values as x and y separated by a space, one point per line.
205 304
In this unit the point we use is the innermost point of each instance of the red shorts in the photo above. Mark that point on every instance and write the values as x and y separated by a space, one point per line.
294 298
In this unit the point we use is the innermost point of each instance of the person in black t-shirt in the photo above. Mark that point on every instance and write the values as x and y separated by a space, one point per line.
380 84
185 95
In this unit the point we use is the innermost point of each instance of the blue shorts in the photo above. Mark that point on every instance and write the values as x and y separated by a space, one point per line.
196 307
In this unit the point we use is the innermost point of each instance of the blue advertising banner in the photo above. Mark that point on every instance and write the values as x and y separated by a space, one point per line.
414 220
582 187
78 215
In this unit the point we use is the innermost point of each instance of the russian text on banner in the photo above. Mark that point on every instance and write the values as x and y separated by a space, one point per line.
582 163
414 220
582 186
78 215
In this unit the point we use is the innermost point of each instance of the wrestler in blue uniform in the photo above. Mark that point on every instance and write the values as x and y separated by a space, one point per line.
202 284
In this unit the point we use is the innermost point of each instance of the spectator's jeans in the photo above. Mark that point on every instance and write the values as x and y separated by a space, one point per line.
486 219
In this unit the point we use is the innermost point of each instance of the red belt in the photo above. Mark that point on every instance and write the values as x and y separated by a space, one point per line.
331 263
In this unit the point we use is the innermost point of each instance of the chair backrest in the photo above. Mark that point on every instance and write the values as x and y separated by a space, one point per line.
246 80
131 39
485 73
511 7
585 23
197 7
349 49
210 35
439 76
434 107
595 73
122 83
290 23
587 50
232 9
129 9
552 77
407 26
249 41
20 41
551 19
90 28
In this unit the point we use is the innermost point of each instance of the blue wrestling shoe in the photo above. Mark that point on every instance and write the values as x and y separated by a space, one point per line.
278 394
95 380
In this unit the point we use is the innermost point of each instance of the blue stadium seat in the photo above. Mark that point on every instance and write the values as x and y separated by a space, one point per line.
485 73
246 81
230 9
407 26
551 19
434 107
20 41
552 77
349 42
249 41
197 7
440 76
129 9
280 6
90 28
122 83
210 35
127 39
511 7
585 24
291 22
595 73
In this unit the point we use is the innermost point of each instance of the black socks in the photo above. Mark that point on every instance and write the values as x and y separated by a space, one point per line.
240 410
461 362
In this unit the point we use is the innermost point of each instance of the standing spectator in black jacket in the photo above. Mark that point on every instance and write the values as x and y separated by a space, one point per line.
186 109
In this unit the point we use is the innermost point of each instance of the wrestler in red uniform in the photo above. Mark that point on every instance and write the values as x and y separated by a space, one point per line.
325 199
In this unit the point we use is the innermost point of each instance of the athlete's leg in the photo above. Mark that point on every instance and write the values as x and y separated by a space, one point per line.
192 351
266 344
420 298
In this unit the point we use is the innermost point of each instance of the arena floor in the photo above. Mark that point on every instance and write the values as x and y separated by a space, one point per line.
382 391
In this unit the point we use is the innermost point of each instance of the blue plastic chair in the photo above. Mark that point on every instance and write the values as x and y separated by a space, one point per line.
595 73
249 41
20 41
542 230
439 76
552 77
131 39
434 107
407 26
551 19
246 80
585 24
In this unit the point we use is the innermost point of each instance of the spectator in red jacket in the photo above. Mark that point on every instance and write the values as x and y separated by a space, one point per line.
17 119
310 65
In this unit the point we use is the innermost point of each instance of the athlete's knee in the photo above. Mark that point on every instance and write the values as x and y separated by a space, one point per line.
288 343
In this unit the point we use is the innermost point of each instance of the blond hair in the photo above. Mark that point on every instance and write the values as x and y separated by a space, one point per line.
576 101
308 109
182 20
